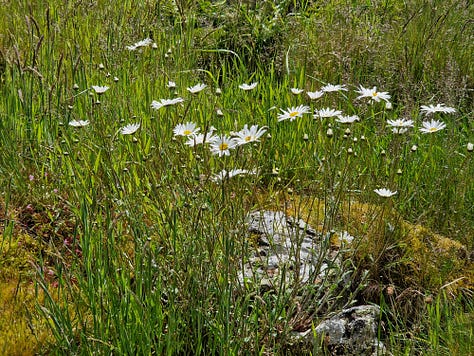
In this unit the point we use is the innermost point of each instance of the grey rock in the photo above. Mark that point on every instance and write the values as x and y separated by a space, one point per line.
291 251
353 331
288 248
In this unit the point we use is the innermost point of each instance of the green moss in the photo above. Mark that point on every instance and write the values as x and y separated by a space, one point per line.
22 330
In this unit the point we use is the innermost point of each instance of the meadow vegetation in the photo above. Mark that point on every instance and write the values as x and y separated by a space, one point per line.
123 228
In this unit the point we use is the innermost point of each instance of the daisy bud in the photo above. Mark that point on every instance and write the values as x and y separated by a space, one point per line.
354 139
305 137
470 147
218 91
329 133
388 105
348 131
101 66
414 148
116 79
75 86
349 150
154 45
382 153
399 171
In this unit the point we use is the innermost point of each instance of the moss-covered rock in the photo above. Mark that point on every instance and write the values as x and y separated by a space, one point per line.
399 254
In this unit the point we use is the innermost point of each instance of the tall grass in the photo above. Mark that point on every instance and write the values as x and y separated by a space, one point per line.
144 247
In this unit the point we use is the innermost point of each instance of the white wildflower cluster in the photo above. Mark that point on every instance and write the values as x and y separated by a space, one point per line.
220 144
397 126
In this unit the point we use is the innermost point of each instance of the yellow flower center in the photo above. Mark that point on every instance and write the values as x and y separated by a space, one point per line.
374 94
433 129
294 113
248 138
223 146
187 132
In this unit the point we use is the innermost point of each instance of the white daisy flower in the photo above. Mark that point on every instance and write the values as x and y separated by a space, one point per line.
294 112
346 237
247 135
222 145
315 94
330 87
165 102
171 84
248 86
327 112
432 126
100 89
347 119
384 192
224 174
373 94
129 129
200 139
197 88
400 126
430 109
470 147
296 91
187 129
79 123
142 43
